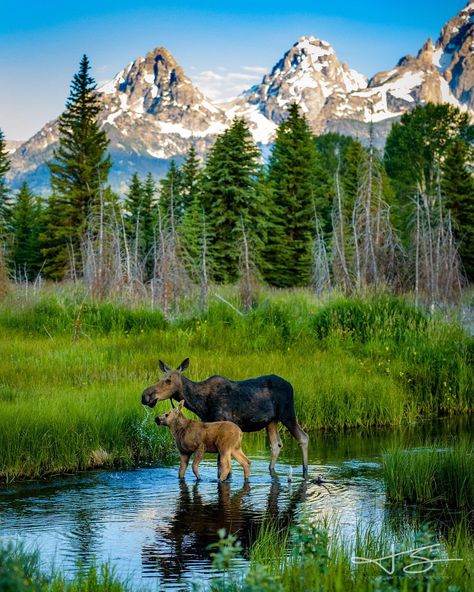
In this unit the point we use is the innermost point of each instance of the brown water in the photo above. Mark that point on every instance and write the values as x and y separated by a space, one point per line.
156 530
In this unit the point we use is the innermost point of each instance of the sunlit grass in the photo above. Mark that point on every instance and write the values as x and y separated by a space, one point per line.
71 373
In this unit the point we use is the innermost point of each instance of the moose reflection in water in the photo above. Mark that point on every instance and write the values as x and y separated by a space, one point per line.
195 523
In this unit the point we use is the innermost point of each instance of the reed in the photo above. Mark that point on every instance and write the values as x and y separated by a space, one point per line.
434 477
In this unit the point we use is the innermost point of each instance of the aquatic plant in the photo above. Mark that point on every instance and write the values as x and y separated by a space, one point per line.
435 477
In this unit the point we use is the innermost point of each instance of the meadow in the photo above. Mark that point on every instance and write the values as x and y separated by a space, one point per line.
72 370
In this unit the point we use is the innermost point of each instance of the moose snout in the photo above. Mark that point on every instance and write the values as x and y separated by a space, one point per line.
149 397
158 420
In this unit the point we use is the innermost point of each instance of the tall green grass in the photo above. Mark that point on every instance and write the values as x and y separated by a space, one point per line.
434 477
20 572
318 557
72 371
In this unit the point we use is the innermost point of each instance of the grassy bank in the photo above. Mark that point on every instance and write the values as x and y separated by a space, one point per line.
433 477
315 557
71 373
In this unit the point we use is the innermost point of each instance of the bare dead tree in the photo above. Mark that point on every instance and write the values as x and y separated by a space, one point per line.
340 268
4 280
248 285
170 282
436 265
377 249
321 276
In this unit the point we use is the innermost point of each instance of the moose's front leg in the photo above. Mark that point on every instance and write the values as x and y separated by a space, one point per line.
183 465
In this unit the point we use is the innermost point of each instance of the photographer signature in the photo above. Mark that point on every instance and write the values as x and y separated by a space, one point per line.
422 564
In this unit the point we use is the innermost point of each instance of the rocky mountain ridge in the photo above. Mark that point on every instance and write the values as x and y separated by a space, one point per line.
153 112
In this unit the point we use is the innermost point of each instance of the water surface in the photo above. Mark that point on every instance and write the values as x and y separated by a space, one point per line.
156 530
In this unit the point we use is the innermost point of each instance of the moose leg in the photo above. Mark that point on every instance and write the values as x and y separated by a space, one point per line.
275 443
184 465
225 466
302 438
243 461
198 456
219 466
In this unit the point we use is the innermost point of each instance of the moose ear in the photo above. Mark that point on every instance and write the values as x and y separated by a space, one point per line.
163 366
181 404
184 364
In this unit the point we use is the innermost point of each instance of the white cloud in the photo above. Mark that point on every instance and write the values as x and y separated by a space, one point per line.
256 69
222 86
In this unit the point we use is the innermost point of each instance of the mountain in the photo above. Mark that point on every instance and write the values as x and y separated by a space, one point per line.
309 73
152 112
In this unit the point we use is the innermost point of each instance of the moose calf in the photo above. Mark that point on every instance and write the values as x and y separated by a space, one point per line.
196 437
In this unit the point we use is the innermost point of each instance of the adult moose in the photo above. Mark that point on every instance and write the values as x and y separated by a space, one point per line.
252 404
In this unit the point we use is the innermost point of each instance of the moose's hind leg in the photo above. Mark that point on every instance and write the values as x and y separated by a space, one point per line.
244 462
198 456
302 438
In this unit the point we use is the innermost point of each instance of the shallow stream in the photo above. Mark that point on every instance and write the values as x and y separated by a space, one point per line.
155 530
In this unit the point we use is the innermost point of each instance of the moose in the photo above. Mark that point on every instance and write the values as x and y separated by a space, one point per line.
252 404
198 437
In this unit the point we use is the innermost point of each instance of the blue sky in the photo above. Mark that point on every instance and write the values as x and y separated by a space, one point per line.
223 46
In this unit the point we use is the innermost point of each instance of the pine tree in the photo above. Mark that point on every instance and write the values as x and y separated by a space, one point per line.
300 188
230 197
351 172
457 185
26 225
171 196
190 178
56 240
79 170
5 198
190 228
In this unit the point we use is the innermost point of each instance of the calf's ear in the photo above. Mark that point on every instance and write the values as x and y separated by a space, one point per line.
184 364
181 405
163 366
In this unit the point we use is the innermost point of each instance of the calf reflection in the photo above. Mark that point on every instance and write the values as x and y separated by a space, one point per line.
195 523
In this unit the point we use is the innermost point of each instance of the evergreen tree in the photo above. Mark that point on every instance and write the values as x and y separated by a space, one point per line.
192 224
190 178
351 176
140 212
56 240
300 189
458 188
416 148
79 171
230 198
172 201
5 198
26 225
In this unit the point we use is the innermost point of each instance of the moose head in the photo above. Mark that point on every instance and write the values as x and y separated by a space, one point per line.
170 385
168 418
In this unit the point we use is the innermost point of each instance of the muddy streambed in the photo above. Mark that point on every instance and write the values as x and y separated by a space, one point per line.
155 530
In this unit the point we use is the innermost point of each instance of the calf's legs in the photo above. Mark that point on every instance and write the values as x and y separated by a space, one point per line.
224 465
198 456
184 465
243 461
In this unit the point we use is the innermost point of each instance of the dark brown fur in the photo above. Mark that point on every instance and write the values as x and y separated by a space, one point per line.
252 404
197 437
